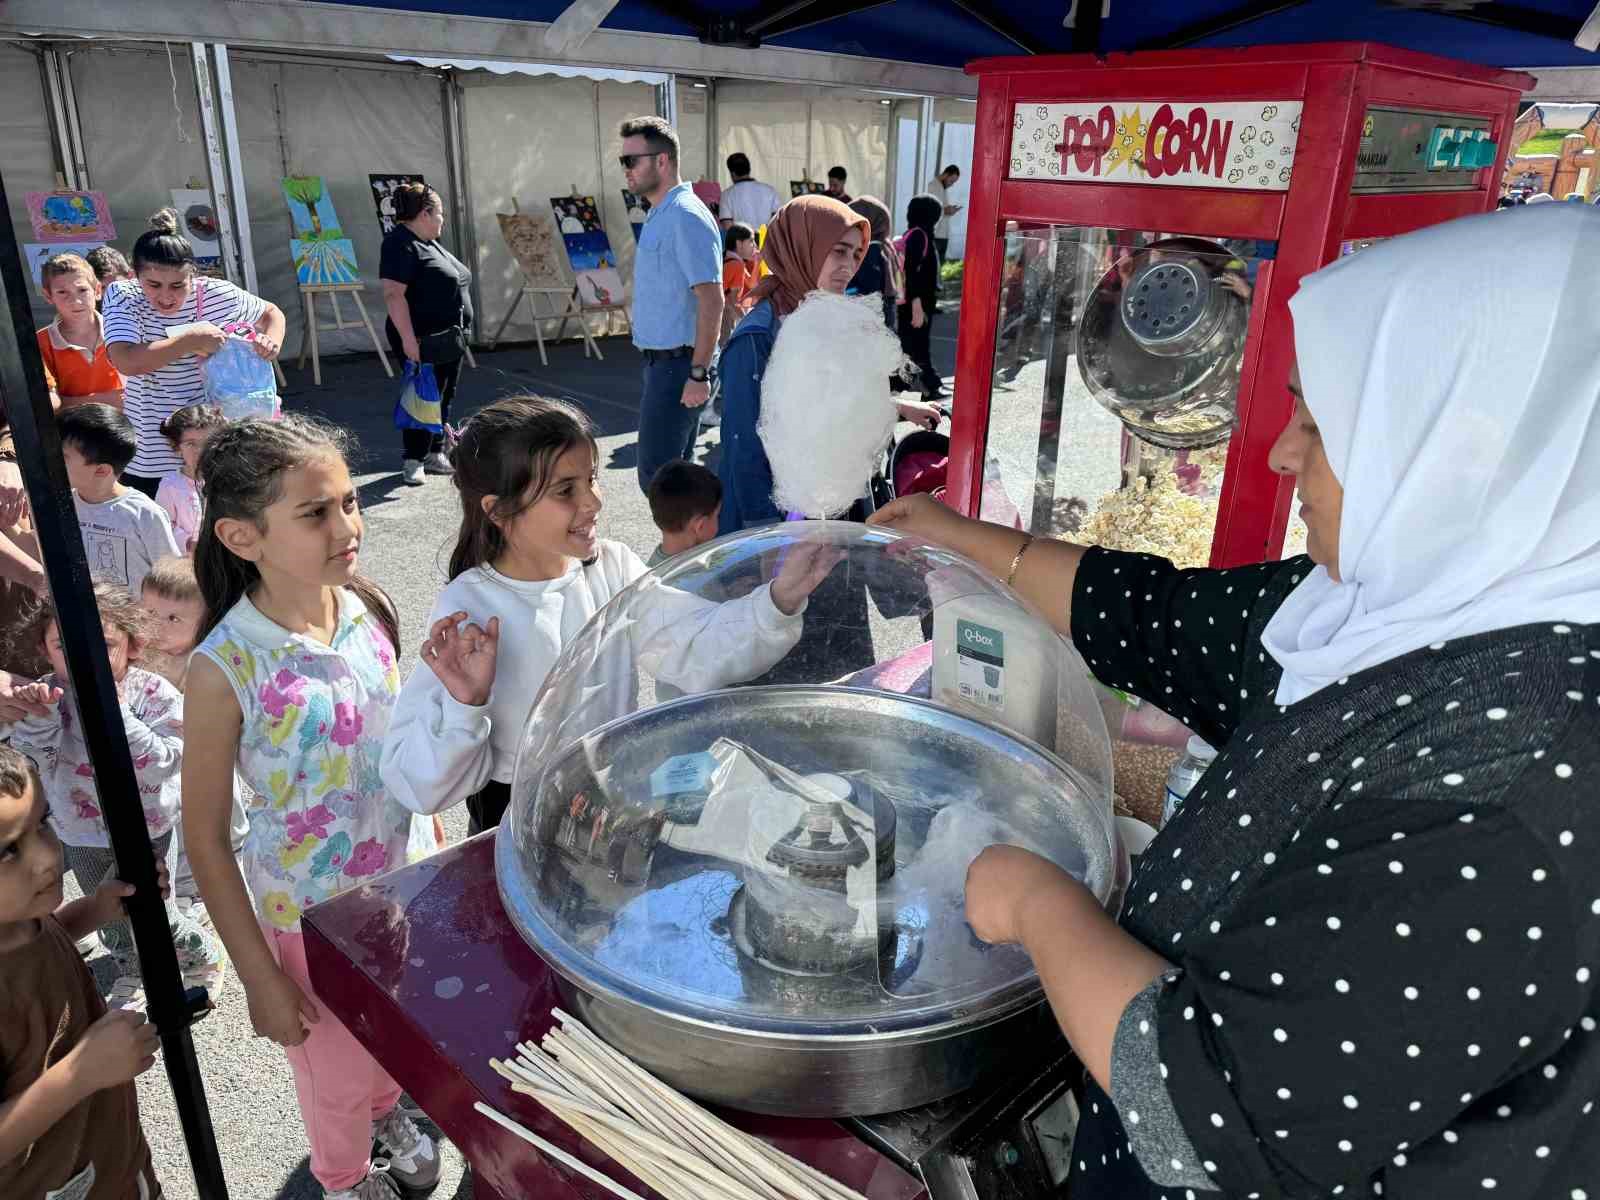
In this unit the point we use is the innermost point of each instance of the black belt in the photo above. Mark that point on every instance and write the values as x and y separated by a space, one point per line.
651 356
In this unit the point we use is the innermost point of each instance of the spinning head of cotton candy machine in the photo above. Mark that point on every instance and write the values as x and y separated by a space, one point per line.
800 912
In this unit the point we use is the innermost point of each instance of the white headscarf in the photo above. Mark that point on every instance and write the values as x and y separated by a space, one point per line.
1455 376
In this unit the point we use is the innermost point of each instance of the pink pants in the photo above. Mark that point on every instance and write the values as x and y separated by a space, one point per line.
342 1088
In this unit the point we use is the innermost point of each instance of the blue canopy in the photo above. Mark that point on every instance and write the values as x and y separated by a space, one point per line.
950 33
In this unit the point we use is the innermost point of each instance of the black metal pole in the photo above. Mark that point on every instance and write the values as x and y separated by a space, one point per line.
1086 31
27 403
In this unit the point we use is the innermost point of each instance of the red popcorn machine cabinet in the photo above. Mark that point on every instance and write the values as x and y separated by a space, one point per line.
1137 226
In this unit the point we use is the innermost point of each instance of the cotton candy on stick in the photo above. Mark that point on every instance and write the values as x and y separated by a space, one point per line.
826 412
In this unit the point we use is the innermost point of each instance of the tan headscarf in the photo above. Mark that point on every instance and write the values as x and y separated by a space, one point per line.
799 240
877 213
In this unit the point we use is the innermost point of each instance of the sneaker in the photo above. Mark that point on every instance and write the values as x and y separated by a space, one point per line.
437 464
412 1157
212 976
710 418
88 946
376 1186
411 472
127 995
195 909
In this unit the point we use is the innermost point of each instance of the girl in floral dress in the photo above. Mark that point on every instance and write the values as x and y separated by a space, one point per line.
292 684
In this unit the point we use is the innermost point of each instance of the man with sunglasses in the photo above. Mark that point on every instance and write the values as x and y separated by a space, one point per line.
677 295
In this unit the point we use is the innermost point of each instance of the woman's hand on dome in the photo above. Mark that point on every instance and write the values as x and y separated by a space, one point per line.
805 566
1003 883
463 657
920 515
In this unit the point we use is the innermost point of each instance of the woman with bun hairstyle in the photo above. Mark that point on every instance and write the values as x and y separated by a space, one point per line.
162 370
425 289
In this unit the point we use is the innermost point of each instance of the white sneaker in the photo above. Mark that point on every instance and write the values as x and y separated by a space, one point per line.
710 418
411 472
195 909
437 464
412 1157
88 946
376 1186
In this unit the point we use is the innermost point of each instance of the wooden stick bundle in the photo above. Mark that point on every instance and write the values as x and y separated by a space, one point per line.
668 1142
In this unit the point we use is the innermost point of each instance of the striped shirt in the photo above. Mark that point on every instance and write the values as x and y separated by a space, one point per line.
150 399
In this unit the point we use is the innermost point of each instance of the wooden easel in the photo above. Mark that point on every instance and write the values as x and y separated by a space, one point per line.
563 304
308 344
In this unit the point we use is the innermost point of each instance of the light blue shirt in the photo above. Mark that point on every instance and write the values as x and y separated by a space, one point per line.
680 247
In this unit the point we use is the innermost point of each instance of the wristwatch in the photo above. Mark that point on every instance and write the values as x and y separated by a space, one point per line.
698 374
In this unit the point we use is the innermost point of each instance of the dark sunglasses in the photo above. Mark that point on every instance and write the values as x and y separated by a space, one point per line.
627 160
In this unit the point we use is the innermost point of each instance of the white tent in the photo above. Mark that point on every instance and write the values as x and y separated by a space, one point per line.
125 117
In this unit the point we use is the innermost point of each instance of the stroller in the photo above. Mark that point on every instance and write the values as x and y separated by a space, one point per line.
920 462
913 463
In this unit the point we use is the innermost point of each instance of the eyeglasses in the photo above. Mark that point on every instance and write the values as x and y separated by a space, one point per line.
627 160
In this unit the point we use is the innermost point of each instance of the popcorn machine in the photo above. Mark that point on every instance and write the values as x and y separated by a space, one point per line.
1138 224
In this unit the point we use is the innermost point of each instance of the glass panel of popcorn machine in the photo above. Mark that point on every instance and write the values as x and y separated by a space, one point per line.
1114 399
1116 378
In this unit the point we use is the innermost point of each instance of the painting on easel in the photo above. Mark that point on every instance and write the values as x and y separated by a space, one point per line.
74 217
594 263
199 218
34 254
531 238
383 189
324 262
322 253
638 209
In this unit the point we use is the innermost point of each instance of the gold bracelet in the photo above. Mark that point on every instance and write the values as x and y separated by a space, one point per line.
1027 540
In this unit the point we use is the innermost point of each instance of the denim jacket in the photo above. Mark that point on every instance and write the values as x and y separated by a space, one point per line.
745 472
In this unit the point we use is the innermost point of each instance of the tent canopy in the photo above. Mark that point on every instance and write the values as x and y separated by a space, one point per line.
1543 33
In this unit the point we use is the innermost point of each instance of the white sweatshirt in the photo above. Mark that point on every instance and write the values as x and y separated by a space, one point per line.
152 717
439 751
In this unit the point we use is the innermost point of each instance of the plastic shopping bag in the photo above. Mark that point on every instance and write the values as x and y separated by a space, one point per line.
239 381
419 406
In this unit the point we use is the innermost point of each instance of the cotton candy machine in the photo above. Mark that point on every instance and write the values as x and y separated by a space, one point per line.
756 891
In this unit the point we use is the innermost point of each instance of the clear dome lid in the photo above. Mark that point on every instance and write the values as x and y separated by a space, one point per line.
763 821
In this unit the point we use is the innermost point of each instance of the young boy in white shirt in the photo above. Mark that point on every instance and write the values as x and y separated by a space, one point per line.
124 531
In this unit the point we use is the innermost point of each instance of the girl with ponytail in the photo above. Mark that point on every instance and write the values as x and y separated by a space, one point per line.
292 685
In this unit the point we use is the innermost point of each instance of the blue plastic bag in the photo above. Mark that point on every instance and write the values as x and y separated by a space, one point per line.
240 382
419 405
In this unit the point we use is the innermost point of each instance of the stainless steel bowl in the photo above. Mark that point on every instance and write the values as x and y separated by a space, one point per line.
1172 307
647 955
1161 347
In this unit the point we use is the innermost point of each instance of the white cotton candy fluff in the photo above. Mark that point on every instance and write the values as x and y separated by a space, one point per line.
826 413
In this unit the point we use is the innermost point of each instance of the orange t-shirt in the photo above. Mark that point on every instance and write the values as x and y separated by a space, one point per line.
737 278
76 371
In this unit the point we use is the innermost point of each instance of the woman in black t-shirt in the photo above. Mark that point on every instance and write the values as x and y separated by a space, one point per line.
430 310
920 301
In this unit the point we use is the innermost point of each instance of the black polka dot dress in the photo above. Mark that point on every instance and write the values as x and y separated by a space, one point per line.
1382 907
